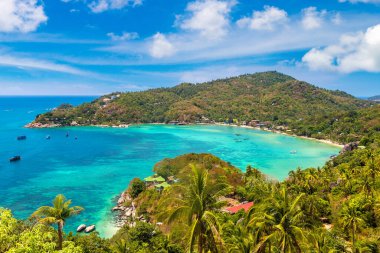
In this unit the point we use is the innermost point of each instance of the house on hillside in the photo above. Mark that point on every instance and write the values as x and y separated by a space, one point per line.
153 180
242 206
162 186
254 123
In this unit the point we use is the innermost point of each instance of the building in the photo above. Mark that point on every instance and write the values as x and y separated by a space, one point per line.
234 209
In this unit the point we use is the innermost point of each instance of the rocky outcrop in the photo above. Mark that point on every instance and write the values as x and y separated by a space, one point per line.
350 147
40 125
126 214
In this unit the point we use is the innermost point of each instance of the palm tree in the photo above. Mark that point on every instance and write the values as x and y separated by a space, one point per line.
195 204
243 240
322 241
281 220
121 246
351 219
57 214
371 167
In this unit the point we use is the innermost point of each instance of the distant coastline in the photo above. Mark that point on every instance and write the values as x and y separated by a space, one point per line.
326 141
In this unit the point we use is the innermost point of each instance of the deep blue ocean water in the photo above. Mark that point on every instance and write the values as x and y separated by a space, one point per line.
96 167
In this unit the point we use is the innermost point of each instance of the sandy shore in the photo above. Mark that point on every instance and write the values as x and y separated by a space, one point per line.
330 142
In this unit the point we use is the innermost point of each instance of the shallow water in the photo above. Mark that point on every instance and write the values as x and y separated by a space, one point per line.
96 167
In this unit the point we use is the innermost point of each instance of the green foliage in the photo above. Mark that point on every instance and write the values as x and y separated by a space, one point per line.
193 206
142 238
58 213
90 243
136 187
9 228
21 237
301 108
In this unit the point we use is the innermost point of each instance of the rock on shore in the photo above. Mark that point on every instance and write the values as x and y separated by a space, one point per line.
40 125
126 214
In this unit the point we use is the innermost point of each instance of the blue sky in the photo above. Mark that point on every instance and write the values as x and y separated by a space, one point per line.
91 47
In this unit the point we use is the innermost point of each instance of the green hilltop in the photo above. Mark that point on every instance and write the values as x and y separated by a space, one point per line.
280 101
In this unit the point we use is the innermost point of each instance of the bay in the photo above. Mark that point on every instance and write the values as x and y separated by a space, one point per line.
93 168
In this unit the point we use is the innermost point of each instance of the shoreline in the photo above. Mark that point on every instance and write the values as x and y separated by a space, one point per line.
325 141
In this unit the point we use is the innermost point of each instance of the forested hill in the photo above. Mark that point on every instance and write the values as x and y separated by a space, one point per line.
271 97
375 98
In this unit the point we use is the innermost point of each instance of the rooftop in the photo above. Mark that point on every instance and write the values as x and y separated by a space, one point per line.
235 209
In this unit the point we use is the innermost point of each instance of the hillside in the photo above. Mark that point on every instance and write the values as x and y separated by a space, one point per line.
271 97
325 201
375 98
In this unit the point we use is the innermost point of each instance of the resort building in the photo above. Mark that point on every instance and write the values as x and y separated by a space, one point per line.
234 209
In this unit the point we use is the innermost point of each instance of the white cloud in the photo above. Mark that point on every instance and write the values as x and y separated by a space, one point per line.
312 18
208 17
336 19
21 15
123 37
267 19
161 47
361 1
98 6
105 5
29 63
188 47
358 52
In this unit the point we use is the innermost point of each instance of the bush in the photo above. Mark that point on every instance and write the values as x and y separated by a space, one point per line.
137 186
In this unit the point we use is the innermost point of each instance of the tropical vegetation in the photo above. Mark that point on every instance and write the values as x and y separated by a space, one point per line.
333 208
278 101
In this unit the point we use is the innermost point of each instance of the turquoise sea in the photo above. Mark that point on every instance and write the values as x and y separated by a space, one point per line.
96 167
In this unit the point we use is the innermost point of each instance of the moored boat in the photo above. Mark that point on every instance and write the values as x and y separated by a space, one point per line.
81 228
21 138
293 152
47 137
15 158
89 229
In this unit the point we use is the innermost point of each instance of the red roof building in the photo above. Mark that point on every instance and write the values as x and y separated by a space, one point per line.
235 209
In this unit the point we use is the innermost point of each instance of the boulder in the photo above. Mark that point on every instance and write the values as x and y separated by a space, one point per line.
350 147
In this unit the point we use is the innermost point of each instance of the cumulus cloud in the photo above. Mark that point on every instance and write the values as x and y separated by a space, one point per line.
98 6
208 17
123 37
267 19
358 52
105 5
336 19
161 47
21 15
312 18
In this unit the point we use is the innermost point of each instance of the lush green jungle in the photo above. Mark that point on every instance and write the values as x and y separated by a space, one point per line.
276 100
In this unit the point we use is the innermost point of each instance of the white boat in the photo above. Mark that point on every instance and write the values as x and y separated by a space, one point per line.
89 229
293 152
81 228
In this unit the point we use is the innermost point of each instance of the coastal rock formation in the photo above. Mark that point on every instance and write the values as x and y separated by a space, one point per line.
126 213
350 147
41 125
